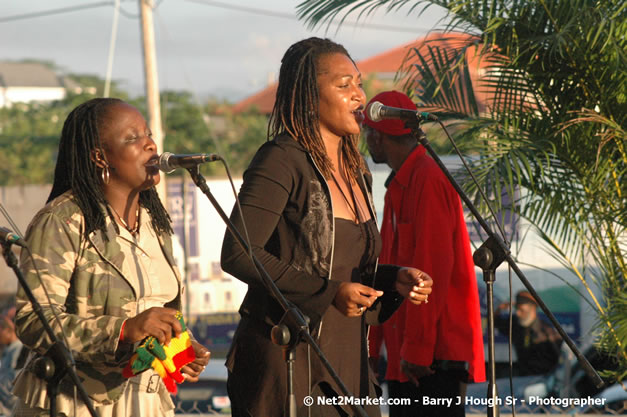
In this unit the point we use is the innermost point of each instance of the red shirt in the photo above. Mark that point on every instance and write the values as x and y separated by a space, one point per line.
424 227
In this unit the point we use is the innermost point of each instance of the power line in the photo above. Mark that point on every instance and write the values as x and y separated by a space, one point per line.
271 13
213 3
54 11
244 9
71 9
128 14
136 15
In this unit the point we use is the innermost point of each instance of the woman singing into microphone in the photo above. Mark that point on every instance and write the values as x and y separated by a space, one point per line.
102 246
307 205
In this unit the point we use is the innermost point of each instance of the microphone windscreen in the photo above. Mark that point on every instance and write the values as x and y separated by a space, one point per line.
374 111
164 164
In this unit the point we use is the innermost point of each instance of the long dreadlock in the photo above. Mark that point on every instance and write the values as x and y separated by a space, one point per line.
295 109
76 171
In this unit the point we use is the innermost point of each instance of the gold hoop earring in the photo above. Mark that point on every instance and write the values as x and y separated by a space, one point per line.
105 175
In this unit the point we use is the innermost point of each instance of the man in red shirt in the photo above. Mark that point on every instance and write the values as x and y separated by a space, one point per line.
436 348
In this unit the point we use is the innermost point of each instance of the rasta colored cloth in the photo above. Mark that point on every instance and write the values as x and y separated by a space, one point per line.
166 360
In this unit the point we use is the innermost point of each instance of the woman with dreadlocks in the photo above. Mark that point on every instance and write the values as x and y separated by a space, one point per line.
308 191
102 246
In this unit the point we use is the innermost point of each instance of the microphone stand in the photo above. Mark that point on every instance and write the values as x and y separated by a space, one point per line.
57 360
293 326
488 257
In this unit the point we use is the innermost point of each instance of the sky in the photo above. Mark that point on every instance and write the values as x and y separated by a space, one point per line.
227 49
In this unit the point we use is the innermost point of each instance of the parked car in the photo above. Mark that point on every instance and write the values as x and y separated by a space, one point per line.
208 396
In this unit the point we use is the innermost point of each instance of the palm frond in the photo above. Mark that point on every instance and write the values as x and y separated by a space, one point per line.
449 93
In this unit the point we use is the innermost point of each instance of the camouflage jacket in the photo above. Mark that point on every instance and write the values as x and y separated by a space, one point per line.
90 294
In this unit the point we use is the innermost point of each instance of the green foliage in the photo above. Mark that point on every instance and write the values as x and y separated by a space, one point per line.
616 313
93 85
554 126
190 128
29 137
185 130
246 133
29 133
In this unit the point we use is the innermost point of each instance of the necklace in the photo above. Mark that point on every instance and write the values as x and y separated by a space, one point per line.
354 208
132 230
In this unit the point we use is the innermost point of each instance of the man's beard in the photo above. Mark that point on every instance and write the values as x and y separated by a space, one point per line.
526 322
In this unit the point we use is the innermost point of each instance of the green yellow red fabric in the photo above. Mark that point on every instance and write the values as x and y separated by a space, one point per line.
166 360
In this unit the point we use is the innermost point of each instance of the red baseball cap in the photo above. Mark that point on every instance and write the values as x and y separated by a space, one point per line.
393 127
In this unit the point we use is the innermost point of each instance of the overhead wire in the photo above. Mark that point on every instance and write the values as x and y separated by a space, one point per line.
69 9
271 13
62 10
137 15
54 11
212 3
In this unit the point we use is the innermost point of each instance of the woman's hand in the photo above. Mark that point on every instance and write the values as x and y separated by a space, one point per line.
159 322
193 369
352 299
414 285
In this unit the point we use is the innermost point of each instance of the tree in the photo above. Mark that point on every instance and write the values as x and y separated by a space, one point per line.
29 137
212 128
184 125
555 126
29 133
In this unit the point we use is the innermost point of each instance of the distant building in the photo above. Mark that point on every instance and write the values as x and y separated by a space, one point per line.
27 82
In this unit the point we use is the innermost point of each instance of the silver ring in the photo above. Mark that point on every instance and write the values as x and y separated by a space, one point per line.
361 310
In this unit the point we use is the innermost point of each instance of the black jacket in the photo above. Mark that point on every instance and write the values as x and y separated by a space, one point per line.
287 209
287 206
537 346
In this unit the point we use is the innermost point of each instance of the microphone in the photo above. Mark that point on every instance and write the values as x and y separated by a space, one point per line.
377 112
7 236
168 162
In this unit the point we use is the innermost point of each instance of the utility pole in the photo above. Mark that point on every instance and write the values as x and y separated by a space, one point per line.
152 82
154 122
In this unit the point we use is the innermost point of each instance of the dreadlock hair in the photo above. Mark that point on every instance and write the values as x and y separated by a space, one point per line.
295 109
76 171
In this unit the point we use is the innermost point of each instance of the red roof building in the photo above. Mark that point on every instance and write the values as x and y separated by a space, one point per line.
381 72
